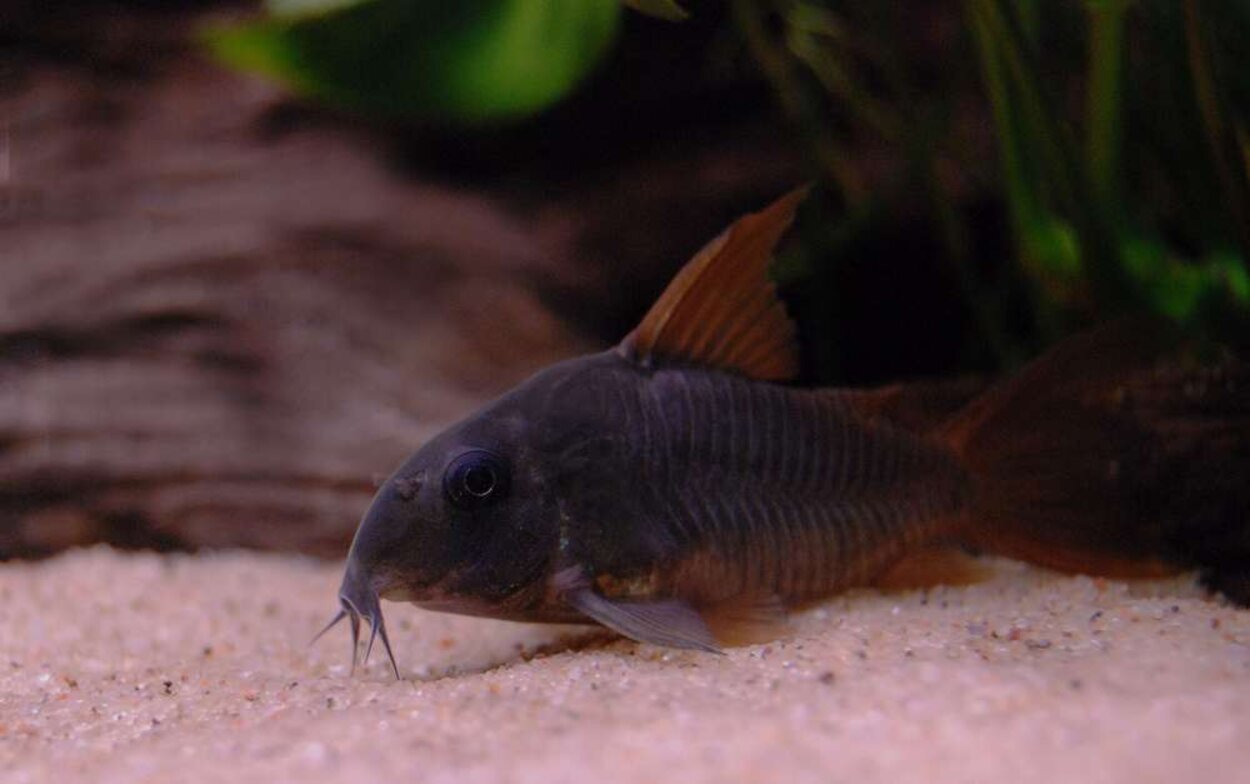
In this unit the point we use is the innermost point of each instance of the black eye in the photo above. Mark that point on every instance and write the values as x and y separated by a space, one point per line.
475 479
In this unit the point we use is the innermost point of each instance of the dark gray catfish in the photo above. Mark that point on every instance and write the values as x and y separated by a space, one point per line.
675 490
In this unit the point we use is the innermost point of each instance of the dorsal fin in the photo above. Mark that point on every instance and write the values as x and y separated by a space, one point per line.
722 310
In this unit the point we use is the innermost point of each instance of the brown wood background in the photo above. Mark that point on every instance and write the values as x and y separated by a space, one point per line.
223 315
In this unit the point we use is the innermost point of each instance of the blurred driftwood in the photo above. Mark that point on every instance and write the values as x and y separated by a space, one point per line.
223 317
224 350
214 336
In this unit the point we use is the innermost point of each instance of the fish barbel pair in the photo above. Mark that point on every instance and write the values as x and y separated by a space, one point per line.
677 490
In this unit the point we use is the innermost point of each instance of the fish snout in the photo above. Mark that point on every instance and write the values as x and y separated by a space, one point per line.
359 600
356 593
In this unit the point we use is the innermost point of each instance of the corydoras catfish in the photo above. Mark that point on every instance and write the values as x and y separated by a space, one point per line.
678 490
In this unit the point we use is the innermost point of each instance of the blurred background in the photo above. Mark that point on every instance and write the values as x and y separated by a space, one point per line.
252 254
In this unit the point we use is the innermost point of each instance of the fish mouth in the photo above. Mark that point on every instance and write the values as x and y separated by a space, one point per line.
358 600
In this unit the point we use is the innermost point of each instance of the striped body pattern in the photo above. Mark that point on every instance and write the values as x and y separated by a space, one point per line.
743 488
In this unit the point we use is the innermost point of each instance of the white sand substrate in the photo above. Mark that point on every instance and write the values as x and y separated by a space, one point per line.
194 668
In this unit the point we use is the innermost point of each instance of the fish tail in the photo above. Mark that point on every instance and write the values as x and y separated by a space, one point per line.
1116 453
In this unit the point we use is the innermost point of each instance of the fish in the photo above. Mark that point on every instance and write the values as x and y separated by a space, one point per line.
681 490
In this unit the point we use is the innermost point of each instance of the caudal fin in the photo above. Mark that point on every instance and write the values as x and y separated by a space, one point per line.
1113 455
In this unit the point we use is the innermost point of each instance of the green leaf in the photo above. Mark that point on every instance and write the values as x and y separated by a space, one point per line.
470 61
663 9
293 9
1051 253
1181 289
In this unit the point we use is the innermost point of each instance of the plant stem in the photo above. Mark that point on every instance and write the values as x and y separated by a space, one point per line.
1206 93
1060 166
829 155
1020 191
1103 101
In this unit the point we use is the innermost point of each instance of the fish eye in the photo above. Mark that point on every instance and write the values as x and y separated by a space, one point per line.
476 478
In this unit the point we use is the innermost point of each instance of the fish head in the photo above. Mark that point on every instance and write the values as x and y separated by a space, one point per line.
465 524
470 523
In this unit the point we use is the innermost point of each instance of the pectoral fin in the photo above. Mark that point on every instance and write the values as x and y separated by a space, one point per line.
668 622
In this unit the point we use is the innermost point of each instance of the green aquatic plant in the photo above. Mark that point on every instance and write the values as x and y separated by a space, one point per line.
470 61
1132 197
1084 226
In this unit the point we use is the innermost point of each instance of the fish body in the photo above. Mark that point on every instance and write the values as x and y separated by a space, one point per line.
673 490
676 481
